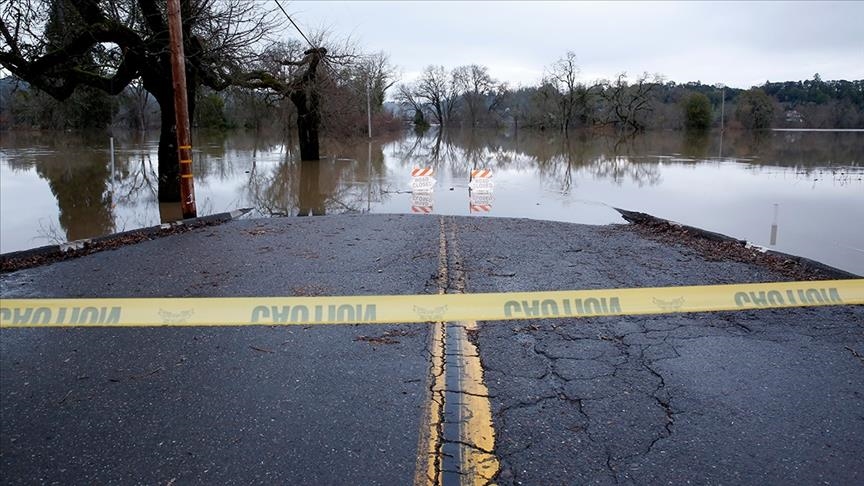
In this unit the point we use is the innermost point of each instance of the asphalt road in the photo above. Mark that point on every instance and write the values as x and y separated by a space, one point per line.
764 397
767 397
253 405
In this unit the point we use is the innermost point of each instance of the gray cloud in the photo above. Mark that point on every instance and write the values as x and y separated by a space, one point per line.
738 43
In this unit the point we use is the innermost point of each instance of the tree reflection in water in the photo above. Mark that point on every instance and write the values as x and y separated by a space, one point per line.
262 170
310 199
349 182
82 195
554 157
77 175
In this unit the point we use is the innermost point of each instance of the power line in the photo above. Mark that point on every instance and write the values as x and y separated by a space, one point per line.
326 61
294 24
327 65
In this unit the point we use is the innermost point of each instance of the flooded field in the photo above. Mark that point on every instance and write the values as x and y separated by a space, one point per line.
795 191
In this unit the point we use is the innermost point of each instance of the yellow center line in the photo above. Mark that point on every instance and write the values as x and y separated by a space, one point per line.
479 463
428 467
476 439
457 438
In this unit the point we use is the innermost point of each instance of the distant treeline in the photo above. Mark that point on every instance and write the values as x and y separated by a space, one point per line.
469 97
344 110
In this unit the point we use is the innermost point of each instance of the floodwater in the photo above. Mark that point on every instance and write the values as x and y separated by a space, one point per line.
799 192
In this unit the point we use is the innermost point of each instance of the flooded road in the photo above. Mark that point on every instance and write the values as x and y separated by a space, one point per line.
797 192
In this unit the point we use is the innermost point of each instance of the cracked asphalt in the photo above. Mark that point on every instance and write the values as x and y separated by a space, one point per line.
242 405
764 397
759 397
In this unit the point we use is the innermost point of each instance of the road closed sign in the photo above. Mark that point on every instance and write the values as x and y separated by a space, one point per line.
422 180
481 180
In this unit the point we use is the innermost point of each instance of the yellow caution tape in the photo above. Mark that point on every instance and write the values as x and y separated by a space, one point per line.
377 309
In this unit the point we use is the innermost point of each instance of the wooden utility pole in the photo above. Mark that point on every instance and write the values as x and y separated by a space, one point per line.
181 110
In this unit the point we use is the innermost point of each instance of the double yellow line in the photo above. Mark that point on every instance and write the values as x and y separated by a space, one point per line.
457 394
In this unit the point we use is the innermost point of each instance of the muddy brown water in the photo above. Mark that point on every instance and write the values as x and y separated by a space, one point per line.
799 192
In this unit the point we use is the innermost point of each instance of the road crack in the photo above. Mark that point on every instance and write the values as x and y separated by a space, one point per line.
856 354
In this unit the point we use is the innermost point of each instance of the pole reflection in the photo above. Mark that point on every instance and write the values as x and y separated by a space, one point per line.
773 239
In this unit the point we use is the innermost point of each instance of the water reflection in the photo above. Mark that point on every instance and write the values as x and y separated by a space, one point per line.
695 144
773 237
81 189
349 182
82 196
170 212
311 200
816 176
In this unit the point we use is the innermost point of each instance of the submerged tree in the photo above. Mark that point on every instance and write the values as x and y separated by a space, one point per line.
304 93
437 91
561 89
627 105
282 72
325 84
476 86
697 112
59 46
405 96
755 109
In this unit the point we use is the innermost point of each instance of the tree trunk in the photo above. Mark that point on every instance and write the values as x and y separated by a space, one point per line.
308 122
169 164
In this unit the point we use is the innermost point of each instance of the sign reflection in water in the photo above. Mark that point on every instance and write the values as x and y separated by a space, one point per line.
56 186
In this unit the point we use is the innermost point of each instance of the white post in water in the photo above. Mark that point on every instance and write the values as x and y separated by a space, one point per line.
773 240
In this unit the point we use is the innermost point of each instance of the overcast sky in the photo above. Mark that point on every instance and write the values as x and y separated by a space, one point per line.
740 44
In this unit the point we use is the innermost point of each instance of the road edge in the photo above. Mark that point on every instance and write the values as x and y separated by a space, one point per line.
805 264
34 257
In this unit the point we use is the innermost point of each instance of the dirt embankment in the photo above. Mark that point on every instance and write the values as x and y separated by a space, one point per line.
10 262
716 247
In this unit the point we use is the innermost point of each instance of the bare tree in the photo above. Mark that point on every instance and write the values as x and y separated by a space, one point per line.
405 96
627 105
378 74
561 88
436 90
59 45
475 85
299 82
325 84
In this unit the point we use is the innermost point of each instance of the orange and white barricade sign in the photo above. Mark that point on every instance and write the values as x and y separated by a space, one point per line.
481 180
422 180
422 172
421 202
480 202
